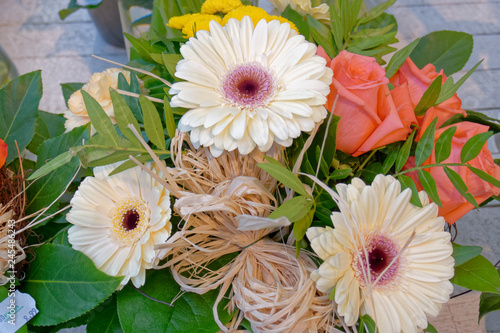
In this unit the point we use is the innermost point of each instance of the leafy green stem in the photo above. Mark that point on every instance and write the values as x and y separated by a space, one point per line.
427 166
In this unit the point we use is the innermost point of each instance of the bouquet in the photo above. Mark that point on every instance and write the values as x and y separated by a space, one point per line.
248 171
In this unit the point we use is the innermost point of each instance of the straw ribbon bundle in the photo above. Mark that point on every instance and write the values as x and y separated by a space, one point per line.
224 203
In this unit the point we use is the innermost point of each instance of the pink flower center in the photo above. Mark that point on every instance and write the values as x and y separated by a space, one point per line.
381 251
248 86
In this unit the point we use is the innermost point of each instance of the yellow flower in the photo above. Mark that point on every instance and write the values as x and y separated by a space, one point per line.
198 22
178 22
255 13
283 20
220 6
304 7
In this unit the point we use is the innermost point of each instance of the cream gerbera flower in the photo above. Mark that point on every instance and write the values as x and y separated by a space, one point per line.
366 261
249 87
98 87
304 7
118 220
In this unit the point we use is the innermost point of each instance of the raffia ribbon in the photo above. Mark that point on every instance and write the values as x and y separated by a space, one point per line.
221 201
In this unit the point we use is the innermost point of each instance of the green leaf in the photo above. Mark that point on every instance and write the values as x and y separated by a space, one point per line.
330 140
169 118
488 302
425 144
298 20
48 125
462 254
430 329
52 165
449 88
429 97
170 61
367 322
42 192
340 173
376 11
443 144
407 182
68 89
477 274
104 318
285 176
294 209
19 101
133 87
152 123
399 58
336 27
100 120
143 47
62 238
404 152
485 176
390 159
321 35
65 284
447 50
460 185
473 146
130 164
190 312
429 185
300 226
124 117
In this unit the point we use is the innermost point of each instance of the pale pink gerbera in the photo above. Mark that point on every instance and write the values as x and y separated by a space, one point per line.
249 87
385 257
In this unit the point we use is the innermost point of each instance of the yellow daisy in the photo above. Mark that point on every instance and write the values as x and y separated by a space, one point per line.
198 22
220 6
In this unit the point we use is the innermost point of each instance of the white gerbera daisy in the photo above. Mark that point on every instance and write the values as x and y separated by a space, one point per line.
366 260
249 87
118 220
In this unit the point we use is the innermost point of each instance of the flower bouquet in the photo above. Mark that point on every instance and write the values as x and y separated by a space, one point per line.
248 171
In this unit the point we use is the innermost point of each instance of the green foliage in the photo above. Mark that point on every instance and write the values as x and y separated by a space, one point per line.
321 35
404 153
407 182
489 302
19 101
298 20
133 87
46 189
430 329
473 146
425 144
152 123
462 254
294 209
477 274
460 185
190 312
73 6
48 125
367 324
124 117
65 284
443 145
104 318
300 227
68 89
447 50
429 97
100 120
399 58
449 88
283 175
429 185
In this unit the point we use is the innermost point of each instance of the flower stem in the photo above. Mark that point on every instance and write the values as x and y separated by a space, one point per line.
428 166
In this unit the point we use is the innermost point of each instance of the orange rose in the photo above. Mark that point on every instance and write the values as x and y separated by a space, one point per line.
416 81
368 116
454 205
3 152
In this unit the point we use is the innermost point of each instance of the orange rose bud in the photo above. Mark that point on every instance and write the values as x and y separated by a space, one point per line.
410 83
3 152
369 118
454 205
